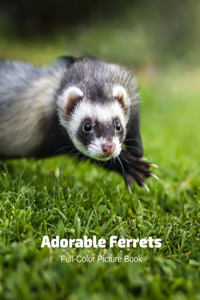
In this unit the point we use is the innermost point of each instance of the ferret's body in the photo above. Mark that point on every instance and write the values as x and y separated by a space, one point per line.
27 110
82 105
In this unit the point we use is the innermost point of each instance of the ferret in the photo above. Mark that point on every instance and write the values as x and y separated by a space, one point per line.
77 106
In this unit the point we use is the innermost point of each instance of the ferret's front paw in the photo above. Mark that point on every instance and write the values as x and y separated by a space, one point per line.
136 169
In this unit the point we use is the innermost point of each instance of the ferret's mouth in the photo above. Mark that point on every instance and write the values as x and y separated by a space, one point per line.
104 156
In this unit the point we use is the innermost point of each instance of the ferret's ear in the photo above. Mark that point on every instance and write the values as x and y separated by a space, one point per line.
120 94
72 97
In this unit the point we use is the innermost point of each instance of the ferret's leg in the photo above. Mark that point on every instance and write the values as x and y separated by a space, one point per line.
133 141
131 168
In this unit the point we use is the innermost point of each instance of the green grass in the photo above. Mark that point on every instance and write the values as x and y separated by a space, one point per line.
58 197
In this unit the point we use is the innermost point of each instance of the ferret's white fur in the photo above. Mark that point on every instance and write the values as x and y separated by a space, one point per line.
63 100
35 108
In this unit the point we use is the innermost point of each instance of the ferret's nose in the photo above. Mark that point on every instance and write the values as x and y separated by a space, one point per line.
108 148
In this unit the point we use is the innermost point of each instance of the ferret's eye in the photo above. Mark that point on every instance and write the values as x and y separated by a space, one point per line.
118 126
87 127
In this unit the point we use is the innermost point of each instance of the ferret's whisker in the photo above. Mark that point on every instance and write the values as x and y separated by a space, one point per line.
132 147
104 163
127 140
68 159
74 169
121 165
124 158
62 149
54 134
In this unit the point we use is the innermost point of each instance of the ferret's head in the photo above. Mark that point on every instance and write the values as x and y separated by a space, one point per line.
94 107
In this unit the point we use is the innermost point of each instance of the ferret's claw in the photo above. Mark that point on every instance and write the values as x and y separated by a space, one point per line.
129 188
153 165
153 175
146 187
136 169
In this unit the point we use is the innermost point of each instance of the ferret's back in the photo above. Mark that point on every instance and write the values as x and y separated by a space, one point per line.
15 77
27 96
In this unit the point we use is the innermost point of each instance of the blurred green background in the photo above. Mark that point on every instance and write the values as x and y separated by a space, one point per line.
138 33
